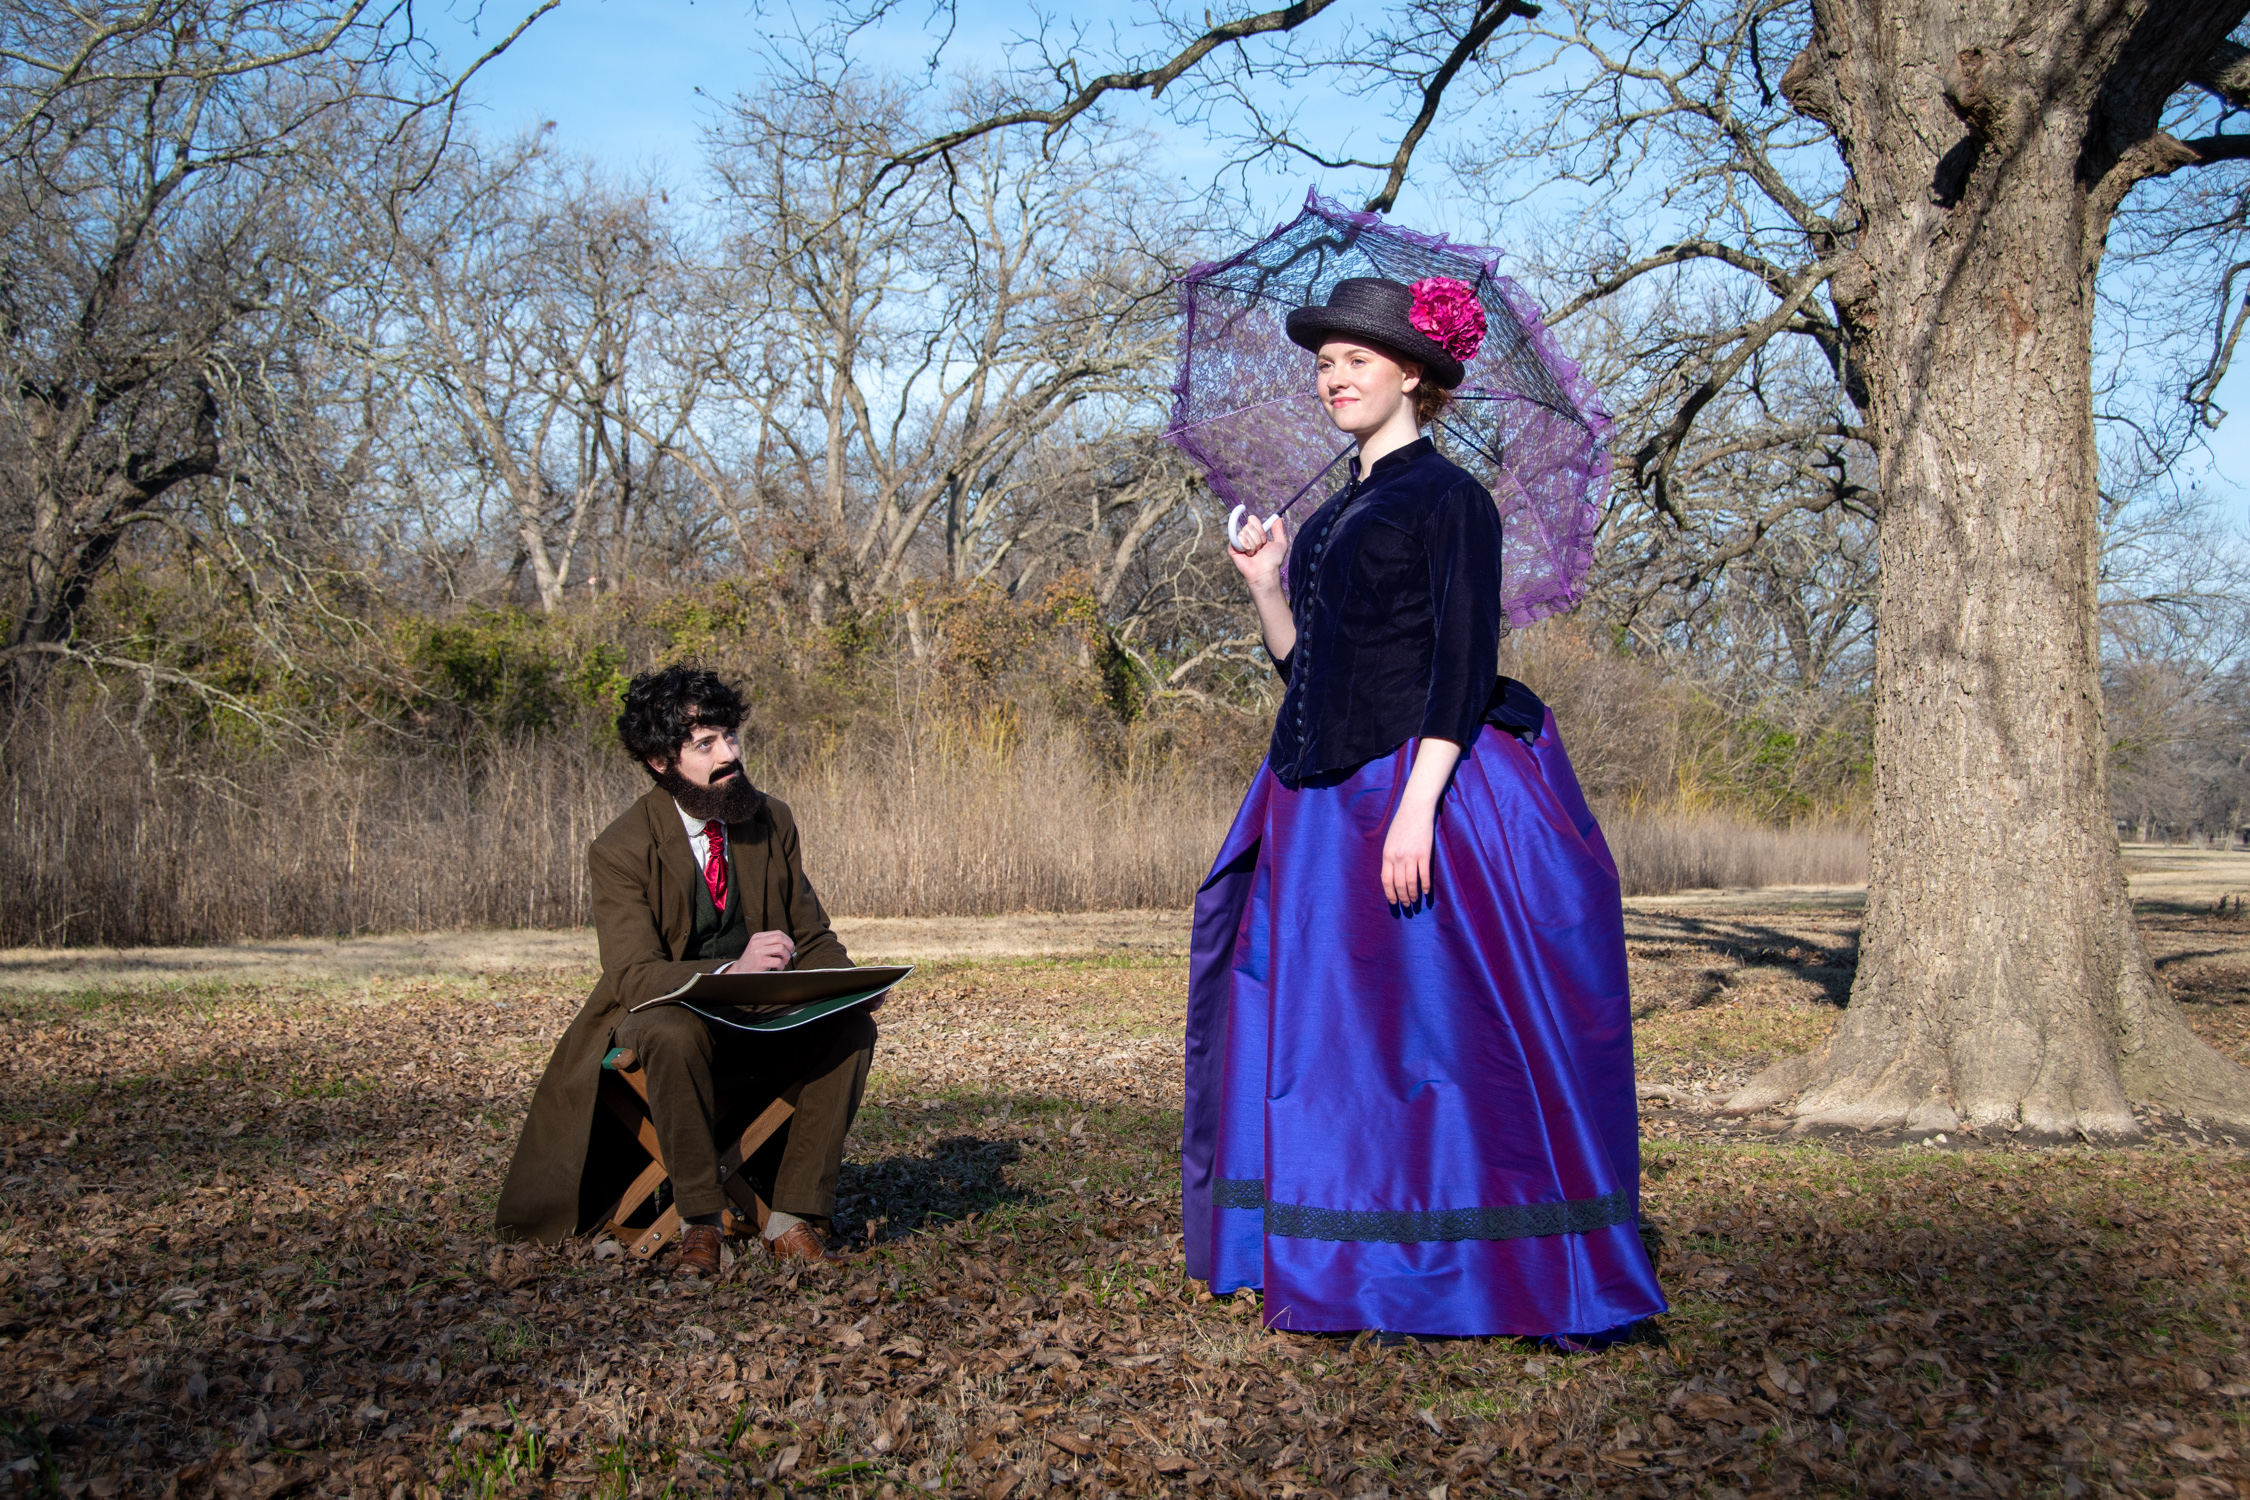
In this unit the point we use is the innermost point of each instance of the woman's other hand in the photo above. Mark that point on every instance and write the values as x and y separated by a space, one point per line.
1408 843
1259 548
1406 855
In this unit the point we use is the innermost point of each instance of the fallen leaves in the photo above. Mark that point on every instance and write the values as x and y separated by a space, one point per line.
313 1302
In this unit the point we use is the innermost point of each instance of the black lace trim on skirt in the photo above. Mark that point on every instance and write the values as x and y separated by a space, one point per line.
1239 1192
1515 1221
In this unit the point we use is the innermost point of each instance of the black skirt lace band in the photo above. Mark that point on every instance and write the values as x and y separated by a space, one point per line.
1514 1221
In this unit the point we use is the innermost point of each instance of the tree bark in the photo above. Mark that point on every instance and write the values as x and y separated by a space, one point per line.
2002 984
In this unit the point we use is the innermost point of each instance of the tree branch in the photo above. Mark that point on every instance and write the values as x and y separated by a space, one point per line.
1152 81
151 673
2225 72
2217 148
1776 279
2204 393
1778 437
1652 465
1487 21
1747 542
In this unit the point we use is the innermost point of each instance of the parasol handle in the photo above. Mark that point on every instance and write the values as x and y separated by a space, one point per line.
1239 526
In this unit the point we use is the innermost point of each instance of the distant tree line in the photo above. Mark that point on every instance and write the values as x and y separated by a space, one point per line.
302 367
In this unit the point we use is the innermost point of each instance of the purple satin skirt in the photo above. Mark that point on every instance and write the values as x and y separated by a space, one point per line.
1422 1122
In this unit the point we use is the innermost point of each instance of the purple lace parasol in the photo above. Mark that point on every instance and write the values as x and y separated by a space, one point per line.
1524 421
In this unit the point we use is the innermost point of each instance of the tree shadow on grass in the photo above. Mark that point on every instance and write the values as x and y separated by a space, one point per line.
1726 941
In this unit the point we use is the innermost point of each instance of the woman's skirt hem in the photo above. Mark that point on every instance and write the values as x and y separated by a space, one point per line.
1576 1284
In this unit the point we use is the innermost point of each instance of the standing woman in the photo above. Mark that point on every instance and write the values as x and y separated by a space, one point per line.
1410 1098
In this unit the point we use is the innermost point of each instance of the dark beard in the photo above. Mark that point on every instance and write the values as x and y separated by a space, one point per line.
733 800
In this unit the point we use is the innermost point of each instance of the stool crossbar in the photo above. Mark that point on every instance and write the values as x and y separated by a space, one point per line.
624 1089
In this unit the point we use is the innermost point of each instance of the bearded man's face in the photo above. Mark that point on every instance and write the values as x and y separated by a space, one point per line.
705 776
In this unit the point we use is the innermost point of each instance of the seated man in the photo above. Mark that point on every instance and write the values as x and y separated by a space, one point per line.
699 875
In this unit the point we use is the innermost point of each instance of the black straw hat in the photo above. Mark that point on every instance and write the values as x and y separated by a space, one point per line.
1375 308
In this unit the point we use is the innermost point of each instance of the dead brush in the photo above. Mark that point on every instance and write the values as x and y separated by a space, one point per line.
1658 853
928 823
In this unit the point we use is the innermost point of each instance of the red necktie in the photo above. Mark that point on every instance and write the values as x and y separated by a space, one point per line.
715 862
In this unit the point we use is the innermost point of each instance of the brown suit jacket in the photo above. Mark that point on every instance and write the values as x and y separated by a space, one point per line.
644 877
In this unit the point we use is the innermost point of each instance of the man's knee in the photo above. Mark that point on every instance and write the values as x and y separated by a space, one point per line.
858 1031
668 1031
847 1048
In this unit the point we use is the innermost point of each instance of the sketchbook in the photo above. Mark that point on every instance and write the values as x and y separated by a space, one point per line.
780 1001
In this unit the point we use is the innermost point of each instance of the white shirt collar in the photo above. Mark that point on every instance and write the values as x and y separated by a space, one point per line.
694 826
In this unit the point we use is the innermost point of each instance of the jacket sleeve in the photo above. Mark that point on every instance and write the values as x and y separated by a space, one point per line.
1461 546
633 952
818 947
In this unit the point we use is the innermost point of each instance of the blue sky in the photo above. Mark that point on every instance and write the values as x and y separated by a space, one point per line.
627 81
634 81
631 82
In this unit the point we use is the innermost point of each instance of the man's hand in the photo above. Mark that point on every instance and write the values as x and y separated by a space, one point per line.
768 952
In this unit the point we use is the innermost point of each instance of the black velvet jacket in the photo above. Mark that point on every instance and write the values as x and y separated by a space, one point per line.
1395 587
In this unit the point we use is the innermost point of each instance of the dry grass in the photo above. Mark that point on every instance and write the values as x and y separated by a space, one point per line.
1663 852
106 852
2186 877
943 821
959 824
106 849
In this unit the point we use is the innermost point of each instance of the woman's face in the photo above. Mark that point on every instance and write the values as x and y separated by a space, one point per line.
1363 388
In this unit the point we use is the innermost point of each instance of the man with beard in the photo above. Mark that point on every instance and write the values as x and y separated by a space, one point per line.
699 876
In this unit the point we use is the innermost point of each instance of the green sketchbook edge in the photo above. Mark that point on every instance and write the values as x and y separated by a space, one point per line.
789 1019
741 1015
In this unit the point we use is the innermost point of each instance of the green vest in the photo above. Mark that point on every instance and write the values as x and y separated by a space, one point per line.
716 934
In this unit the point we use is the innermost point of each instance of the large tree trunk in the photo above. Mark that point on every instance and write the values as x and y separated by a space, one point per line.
2002 984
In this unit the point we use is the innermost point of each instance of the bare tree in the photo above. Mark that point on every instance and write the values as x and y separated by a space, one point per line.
1922 195
933 334
524 313
2176 638
164 171
53 51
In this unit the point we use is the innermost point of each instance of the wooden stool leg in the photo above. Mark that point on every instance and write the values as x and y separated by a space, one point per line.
753 1208
632 1113
657 1235
754 1135
639 1192
627 1097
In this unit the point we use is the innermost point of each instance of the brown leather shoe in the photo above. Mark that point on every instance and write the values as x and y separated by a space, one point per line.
699 1251
801 1242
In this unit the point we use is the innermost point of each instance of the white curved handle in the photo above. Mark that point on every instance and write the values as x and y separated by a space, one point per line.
1238 524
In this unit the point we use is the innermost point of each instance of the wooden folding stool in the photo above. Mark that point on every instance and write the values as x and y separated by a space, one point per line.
625 1090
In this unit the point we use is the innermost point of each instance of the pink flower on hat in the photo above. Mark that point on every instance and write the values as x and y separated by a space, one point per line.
1450 314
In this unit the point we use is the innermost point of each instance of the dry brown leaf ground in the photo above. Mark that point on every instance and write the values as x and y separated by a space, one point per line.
244 1252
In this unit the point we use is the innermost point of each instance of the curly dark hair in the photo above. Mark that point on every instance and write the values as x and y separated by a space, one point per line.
663 708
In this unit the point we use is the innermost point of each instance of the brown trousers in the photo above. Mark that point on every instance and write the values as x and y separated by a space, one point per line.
695 1068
